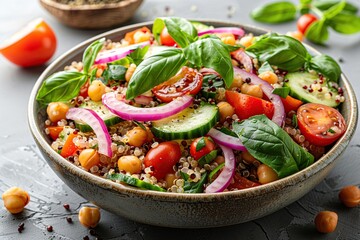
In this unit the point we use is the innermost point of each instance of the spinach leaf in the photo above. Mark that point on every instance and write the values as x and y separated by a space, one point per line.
272 146
181 30
324 5
265 67
114 72
275 12
61 86
345 23
325 65
90 54
281 91
154 70
282 51
194 187
211 53
318 32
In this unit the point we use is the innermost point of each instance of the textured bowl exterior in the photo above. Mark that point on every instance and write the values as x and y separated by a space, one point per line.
185 210
92 16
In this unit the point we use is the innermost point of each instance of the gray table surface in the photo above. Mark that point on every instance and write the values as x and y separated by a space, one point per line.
21 164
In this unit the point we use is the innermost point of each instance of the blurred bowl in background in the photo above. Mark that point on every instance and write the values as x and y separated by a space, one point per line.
94 16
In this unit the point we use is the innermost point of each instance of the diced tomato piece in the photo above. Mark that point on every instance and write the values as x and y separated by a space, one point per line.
241 183
69 147
54 131
291 104
129 37
247 106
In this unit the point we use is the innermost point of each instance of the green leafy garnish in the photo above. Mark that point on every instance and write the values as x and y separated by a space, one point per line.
325 65
281 91
194 187
114 72
208 158
134 181
90 54
213 172
294 121
200 144
271 145
265 67
275 12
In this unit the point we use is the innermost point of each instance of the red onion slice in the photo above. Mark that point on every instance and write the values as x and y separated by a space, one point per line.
279 112
97 124
118 53
226 140
224 178
234 30
128 112
241 56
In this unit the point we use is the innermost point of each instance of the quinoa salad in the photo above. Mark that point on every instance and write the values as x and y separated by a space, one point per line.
188 108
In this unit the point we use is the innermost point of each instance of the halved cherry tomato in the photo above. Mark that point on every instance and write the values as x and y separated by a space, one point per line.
208 146
54 131
188 81
241 183
166 39
162 158
69 147
305 21
247 106
31 46
290 103
320 124
129 37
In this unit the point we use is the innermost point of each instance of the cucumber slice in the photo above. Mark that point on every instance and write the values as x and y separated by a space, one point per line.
134 181
108 117
297 81
187 124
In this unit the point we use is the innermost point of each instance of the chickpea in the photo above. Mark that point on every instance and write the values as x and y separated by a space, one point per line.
96 90
130 71
247 41
350 196
15 199
229 40
140 36
137 136
89 158
252 90
326 221
57 111
245 155
269 77
219 160
89 216
131 164
237 82
225 110
297 35
266 174
169 178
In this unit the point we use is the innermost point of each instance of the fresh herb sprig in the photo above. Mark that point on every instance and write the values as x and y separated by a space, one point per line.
341 16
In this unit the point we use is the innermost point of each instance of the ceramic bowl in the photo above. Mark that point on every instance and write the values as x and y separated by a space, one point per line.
92 16
185 210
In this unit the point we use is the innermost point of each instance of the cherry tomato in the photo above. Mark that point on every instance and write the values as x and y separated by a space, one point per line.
163 158
321 125
69 147
247 106
166 39
208 146
188 81
241 183
84 90
305 21
32 46
290 103
54 131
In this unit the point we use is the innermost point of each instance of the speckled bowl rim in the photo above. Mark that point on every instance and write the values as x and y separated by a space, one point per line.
289 181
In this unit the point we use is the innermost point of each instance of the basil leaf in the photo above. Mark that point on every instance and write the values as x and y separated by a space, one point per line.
90 54
61 86
317 32
114 72
213 172
271 145
200 144
181 30
137 56
325 65
208 158
265 67
276 12
324 5
228 132
194 187
211 53
334 10
154 70
345 23
281 91
294 121
282 51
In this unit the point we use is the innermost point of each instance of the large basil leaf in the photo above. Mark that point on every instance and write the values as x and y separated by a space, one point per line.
334 10
211 53
271 145
282 51
61 86
325 65
317 32
275 12
90 54
324 5
181 30
345 23
154 70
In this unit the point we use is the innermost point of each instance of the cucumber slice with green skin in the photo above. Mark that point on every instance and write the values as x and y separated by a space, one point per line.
103 112
134 181
187 124
297 81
